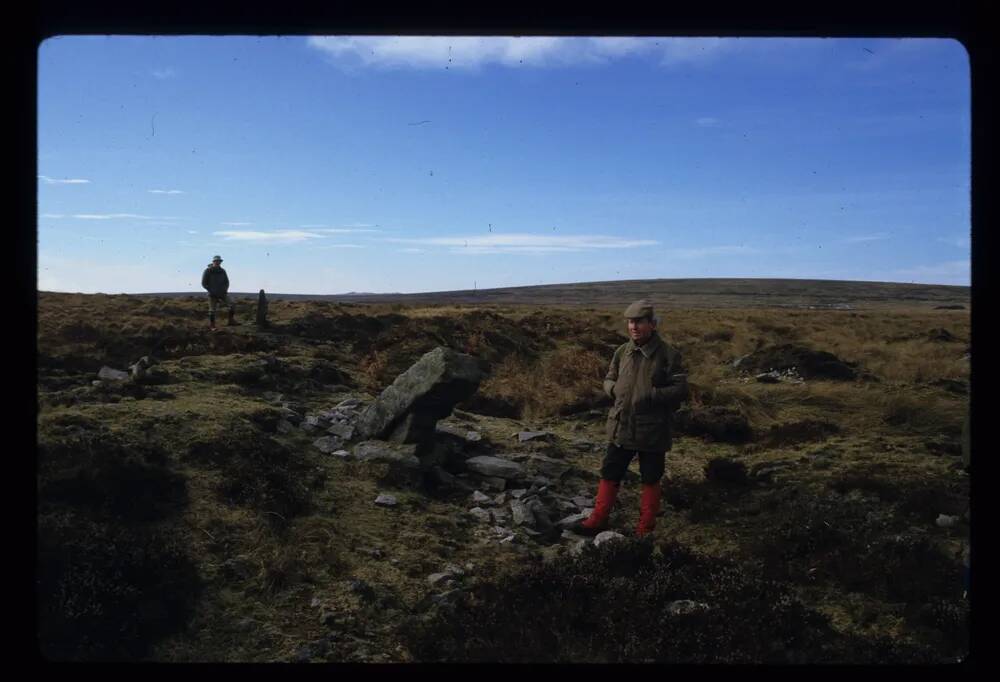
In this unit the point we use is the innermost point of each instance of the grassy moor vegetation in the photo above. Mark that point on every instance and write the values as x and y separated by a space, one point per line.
187 515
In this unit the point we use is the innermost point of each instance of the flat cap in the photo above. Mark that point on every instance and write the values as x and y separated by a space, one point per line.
641 308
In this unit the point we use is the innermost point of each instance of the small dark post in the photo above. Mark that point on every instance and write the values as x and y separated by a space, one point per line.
261 309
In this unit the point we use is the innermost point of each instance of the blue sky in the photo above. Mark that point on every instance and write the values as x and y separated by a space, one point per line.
333 164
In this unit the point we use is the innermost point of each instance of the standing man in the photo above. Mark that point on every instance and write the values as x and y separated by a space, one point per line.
216 282
647 383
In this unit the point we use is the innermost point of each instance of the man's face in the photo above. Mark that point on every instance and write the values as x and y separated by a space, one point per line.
640 329
216 263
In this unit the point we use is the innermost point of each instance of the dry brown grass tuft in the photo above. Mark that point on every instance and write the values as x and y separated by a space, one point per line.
558 381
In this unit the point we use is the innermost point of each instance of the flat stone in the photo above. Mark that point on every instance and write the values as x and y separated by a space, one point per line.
327 444
500 516
344 431
547 466
458 432
768 378
518 493
494 482
444 478
341 454
285 426
480 498
440 578
583 501
607 536
385 500
348 403
525 436
481 514
685 606
487 465
109 374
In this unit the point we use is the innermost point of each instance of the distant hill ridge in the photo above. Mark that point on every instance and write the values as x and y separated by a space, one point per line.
707 292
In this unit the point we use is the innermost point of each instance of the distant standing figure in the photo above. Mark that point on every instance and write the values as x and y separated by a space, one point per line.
647 382
216 282
261 309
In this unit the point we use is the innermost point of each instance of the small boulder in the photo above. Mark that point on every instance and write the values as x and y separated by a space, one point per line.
385 500
607 536
481 514
487 465
480 498
327 444
109 374
342 430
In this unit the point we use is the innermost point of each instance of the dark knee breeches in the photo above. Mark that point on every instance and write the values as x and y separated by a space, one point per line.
616 461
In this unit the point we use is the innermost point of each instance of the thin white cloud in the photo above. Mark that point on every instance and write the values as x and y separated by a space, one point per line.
116 216
165 191
67 181
878 236
163 74
527 243
236 224
344 230
411 250
472 52
707 122
341 246
276 237
53 215
192 231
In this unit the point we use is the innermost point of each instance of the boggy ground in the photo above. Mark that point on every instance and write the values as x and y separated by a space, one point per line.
178 522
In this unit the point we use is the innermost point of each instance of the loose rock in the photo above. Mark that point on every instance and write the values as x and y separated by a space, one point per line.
685 606
488 465
524 436
385 500
327 444
109 374
607 536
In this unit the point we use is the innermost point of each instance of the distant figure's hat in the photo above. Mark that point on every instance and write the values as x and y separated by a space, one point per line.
216 259
641 308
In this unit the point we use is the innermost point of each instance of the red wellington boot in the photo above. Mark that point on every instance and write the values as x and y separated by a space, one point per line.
607 492
649 507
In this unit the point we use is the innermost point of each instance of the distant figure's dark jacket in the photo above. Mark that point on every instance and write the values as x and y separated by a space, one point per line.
646 393
215 281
